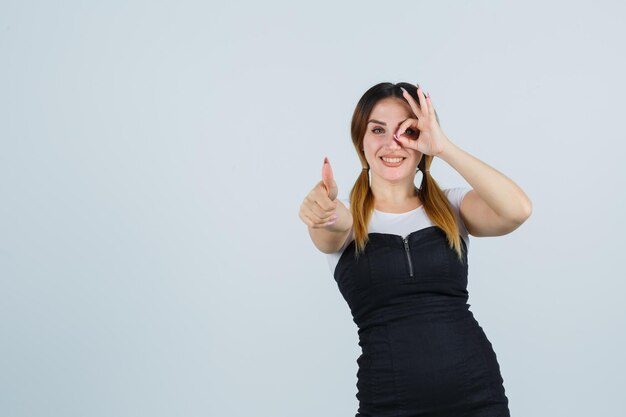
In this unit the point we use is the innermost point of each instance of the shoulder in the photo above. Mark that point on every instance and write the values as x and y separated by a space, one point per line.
455 195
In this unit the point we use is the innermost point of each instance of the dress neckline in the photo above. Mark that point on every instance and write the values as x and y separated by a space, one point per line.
413 234
413 237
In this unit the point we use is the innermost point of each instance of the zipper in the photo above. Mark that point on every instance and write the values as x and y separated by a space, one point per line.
408 255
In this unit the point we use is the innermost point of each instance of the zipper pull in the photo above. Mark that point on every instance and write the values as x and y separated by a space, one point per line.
408 255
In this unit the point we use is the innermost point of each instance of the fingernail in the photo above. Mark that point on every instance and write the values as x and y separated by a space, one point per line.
331 222
428 94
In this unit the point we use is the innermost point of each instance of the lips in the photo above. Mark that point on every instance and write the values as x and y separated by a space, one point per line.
395 159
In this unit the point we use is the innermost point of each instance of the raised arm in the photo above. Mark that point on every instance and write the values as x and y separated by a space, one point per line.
496 205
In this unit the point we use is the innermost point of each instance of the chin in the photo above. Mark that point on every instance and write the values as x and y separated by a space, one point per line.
396 175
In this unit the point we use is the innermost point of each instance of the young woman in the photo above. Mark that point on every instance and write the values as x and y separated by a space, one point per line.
399 256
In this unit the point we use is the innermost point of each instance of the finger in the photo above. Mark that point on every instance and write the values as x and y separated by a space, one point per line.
431 108
327 171
315 220
422 98
319 196
305 219
328 179
314 224
404 126
318 211
408 142
403 139
414 105
326 217
401 133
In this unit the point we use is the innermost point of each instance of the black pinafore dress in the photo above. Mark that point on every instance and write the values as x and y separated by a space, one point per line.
423 352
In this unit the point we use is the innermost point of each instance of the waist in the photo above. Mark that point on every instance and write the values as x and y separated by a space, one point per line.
427 309
424 335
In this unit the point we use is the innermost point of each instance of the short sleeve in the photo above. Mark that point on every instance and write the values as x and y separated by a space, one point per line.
455 197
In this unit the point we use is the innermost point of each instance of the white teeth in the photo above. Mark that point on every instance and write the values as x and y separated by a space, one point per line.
392 160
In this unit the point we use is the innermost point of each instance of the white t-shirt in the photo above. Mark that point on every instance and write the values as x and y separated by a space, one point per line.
403 224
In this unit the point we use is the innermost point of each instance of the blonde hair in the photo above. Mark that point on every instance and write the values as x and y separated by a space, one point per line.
434 200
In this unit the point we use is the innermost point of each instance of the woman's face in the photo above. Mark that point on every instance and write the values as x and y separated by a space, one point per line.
379 142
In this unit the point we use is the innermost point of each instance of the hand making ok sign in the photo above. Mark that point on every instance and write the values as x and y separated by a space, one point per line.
431 139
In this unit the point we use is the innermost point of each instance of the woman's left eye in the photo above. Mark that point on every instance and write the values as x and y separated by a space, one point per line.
407 131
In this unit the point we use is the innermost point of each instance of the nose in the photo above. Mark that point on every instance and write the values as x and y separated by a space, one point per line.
391 141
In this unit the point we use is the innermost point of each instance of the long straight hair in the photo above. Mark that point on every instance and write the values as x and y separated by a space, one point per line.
362 202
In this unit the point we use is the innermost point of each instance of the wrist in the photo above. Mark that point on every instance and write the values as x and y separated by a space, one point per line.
448 149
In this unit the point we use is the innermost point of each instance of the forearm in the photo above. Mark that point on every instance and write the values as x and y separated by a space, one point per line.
501 194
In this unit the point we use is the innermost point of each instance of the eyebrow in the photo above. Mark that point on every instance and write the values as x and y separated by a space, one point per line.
383 123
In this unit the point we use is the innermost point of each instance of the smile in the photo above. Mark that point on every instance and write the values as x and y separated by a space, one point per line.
392 162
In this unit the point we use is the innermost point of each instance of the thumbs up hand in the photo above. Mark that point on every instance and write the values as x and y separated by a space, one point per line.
319 206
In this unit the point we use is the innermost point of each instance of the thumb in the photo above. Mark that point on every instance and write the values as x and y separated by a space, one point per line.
329 181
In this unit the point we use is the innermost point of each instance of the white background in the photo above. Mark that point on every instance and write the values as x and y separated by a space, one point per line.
154 156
